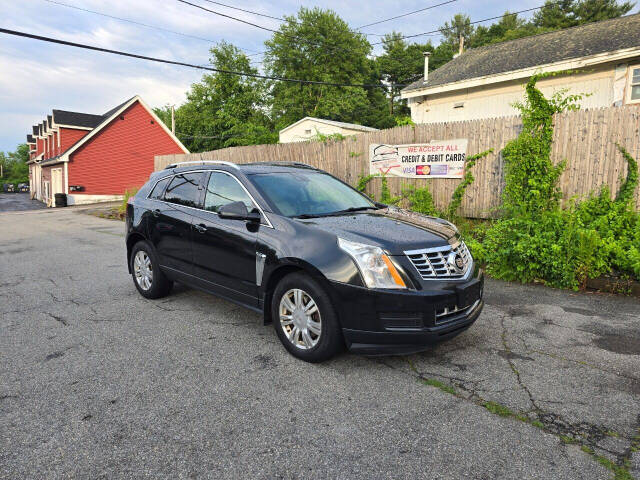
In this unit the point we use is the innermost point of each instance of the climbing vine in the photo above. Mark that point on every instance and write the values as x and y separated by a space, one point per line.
363 181
536 240
531 179
458 193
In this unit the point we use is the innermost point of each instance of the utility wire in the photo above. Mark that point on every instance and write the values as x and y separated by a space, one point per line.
406 14
184 64
208 40
291 19
247 11
261 27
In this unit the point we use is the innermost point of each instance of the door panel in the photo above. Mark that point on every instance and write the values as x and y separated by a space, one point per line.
170 234
170 220
224 250
224 254
56 181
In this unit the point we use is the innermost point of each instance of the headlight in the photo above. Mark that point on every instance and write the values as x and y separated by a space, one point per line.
375 266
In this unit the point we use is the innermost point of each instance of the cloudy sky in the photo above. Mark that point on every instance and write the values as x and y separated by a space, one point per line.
36 77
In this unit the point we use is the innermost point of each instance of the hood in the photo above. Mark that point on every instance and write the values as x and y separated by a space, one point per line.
393 229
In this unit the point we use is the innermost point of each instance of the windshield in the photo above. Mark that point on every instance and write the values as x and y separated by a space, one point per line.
308 193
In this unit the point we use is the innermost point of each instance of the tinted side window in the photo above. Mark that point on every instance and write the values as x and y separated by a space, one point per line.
183 189
158 190
223 189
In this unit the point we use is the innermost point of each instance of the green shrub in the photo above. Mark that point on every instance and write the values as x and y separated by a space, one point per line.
324 138
420 200
363 181
536 240
385 193
406 120
128 193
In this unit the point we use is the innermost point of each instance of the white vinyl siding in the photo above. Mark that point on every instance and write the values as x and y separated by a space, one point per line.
497 100
634 84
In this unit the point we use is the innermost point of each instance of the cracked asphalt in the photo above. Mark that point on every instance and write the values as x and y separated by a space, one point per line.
97 382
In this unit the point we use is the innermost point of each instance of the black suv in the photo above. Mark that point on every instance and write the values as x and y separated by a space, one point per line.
323 262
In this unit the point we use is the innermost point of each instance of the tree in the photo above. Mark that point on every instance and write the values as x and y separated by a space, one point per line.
509 27
400 63
224 110
442 54
14 165
318 45
593 10
459 26
568 13
555 15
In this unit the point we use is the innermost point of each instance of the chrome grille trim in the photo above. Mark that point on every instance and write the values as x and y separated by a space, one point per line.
431 263
447 313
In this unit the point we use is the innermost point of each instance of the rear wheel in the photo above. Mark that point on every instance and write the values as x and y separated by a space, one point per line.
304 319
147 277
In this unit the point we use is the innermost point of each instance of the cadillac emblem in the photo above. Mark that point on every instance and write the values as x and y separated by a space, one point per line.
455 262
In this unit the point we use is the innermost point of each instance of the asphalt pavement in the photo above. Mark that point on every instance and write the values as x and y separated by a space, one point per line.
14 202
97 382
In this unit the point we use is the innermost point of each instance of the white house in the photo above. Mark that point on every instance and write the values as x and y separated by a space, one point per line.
484 82
309 127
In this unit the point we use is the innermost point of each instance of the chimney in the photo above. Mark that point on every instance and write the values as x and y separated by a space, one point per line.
426 66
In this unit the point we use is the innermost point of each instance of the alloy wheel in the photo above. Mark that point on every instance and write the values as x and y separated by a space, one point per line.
143 270
300 319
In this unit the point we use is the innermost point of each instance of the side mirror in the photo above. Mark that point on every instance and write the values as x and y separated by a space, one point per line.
238 211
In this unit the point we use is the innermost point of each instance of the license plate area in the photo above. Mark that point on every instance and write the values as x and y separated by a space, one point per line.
468 294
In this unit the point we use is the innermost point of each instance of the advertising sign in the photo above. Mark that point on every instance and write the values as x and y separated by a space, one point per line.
436 159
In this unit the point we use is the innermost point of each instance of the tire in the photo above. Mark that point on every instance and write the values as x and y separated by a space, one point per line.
311 343
158 285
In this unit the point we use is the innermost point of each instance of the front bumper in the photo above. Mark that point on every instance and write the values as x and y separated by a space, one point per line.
391 322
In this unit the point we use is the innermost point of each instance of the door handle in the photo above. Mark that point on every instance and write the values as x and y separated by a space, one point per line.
156 212
201 228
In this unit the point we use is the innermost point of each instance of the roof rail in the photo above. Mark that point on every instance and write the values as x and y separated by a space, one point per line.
201 162
292 164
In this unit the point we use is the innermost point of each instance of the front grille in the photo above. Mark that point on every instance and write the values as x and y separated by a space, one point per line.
440 262
446 314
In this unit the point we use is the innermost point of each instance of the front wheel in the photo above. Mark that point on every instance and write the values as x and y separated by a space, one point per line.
304 319
145 270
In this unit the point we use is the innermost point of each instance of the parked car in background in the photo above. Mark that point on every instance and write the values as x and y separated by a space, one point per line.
23 187
8 188
326 264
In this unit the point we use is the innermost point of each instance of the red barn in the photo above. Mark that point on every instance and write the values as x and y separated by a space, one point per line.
95 158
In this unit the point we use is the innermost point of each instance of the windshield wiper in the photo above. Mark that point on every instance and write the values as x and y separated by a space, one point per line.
353 209
337 212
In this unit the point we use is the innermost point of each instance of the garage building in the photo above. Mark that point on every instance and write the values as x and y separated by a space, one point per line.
95 158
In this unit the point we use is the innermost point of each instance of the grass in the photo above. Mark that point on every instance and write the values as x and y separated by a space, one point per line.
567 440
499 409
537 423
620 472
438 384
122 209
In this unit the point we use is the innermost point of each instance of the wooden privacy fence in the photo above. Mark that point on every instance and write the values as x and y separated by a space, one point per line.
585 139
